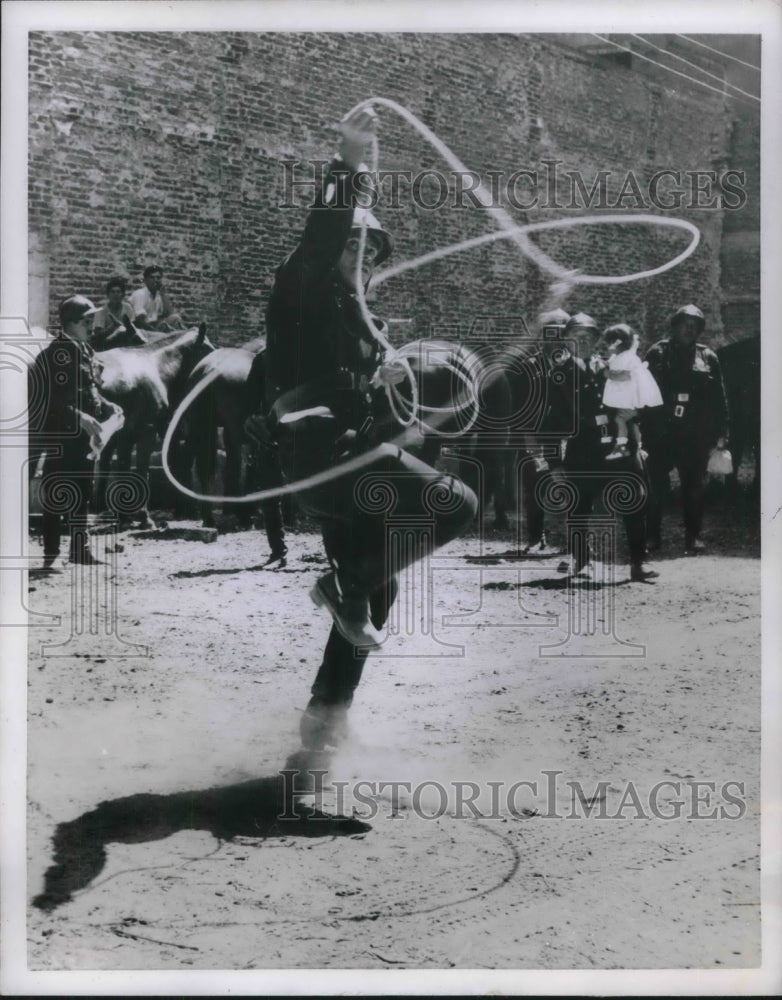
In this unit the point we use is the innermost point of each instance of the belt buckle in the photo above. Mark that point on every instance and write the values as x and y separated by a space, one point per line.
679 411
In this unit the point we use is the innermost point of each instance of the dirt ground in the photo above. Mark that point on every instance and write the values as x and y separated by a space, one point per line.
185 865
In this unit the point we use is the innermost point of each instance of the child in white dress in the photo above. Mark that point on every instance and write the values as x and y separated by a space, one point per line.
630 386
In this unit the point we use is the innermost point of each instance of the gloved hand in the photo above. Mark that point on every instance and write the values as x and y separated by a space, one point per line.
357 131
88 424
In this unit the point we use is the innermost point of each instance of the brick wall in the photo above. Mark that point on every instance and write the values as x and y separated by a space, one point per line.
167 147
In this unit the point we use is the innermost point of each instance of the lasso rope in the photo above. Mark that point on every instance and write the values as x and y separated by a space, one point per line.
408 412
573 277
405 411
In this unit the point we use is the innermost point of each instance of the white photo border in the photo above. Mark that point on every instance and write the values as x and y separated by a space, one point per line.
701 17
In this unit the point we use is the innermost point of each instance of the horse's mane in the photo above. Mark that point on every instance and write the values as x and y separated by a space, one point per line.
169 340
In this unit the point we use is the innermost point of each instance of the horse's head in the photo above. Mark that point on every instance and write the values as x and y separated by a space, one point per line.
126 335
202 345
179 353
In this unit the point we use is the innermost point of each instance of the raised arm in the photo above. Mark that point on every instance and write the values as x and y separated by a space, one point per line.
331 218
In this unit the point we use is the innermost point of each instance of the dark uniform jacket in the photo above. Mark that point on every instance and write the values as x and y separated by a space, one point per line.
64 377
317 341
694 401
528 377
576 412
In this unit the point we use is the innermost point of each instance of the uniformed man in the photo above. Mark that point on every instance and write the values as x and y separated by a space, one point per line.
528 376
322 359
66 424
576 394
692 420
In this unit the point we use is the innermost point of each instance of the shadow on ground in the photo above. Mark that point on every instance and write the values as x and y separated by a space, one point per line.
262 808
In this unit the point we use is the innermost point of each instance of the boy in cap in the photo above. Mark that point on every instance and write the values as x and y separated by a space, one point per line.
67 425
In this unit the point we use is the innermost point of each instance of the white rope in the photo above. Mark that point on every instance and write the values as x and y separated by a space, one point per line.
309 482
416 407
573 277
393 395
406 412
403 409
501 217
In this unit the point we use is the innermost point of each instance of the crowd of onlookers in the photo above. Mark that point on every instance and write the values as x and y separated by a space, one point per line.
623 418
612 412
147 308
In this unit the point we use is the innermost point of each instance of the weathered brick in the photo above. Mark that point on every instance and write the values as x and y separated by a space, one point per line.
167 147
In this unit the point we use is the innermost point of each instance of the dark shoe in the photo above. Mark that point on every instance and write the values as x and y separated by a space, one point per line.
324 725
52 564
280 558
693 546
641 573
85 558
350 614
540 549
584 572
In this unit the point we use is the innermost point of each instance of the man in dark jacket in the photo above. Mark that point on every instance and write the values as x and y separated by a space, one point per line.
323 362
528 375
66 410
576 393
693 419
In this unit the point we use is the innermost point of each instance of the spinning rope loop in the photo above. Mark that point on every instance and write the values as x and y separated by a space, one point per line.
407 412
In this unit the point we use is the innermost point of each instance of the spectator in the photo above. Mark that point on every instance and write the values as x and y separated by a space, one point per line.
692 420
577 408
528 374
151 304
68 427
110 319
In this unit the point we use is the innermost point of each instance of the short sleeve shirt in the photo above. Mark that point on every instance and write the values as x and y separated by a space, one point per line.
142 301
109 321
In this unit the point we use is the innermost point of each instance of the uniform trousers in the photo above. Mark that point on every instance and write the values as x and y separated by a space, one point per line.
356 511
689 455
66 489
590 481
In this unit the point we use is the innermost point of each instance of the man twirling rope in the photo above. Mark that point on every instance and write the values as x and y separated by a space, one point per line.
323 365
